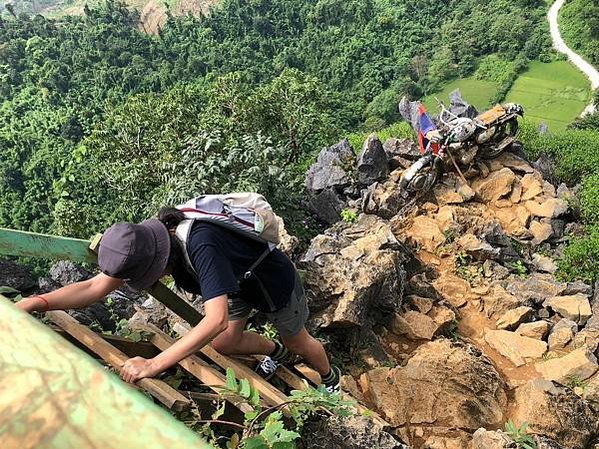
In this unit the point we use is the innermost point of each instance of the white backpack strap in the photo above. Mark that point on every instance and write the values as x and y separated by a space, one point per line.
182 233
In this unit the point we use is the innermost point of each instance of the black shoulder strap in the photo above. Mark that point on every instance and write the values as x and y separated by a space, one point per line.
263 256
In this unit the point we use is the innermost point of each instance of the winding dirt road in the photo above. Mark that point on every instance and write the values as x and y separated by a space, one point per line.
559 44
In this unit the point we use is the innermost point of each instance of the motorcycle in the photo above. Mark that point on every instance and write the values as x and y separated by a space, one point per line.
460 138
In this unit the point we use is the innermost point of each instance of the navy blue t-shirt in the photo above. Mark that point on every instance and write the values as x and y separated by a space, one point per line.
221 257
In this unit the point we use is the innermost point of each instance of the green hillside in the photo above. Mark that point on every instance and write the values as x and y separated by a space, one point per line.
579 27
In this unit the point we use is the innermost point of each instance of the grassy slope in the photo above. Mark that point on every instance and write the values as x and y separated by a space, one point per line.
476 92
554 93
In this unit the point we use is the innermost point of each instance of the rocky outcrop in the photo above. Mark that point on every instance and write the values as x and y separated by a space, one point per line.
119 305
555 412
486 439
443 386
356 432
327 179
372 162
517 348
16 276
354 274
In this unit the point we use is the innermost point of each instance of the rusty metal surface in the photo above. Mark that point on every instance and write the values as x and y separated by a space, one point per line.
54 396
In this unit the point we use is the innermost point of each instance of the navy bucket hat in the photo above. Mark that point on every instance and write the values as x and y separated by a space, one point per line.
136 253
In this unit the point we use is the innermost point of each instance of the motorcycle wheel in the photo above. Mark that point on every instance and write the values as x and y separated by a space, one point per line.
508 129
422 181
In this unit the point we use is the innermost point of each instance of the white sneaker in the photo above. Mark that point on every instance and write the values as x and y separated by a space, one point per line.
334 387
267 367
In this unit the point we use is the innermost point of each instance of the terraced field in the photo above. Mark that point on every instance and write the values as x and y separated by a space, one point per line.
554 93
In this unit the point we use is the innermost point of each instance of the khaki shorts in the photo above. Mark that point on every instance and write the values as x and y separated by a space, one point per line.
288 321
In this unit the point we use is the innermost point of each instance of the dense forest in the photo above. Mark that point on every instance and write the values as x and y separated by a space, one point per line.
579 25
94 112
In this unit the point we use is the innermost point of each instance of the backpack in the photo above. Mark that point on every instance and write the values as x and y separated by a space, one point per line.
247 213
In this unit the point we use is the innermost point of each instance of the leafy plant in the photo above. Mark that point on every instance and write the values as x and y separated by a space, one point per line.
519 435
576 382
349 216
267 428
269 331
519 268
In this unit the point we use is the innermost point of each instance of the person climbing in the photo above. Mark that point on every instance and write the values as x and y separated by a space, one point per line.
232 273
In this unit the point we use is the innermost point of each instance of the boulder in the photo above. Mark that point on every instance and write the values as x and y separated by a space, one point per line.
535 289
18 277
423 305
579 364
511 319
550 208
382 199
495 186
65 272
452 190
541 231
354 432
573 307
562 334
489 439
444 385
516 348
494 235
288 243
354 274
426 232
331 168
372 161
414 325
578 286
544 263
516 163
536 329
531 187
327 205
476 248
453 289
555 412
403 148
498 301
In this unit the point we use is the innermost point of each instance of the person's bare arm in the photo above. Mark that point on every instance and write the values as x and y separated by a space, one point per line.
73 296
214 322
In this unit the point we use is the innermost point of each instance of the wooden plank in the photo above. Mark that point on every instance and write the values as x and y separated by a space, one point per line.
288 376
269 393
22 243
193 364
167 395
143 349
175 303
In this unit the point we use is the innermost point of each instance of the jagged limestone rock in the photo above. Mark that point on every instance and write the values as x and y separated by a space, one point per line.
518 349
354 273
456 375
537 329
372 162
331 168
573 307
555 412
579 364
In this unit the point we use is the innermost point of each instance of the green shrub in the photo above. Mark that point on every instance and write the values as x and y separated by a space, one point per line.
576 152
589 200
579 260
